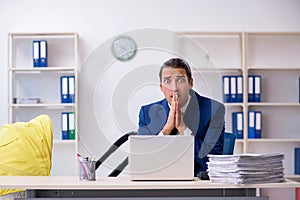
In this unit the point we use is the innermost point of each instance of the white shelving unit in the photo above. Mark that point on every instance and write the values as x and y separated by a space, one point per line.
274 56
26 81
213 55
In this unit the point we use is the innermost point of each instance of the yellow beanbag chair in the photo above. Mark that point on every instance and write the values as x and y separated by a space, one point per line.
26 149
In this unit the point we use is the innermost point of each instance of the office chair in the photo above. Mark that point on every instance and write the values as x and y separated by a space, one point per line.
26 149
229 142
111 150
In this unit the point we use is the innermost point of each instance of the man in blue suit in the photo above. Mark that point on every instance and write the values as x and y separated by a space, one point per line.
185 112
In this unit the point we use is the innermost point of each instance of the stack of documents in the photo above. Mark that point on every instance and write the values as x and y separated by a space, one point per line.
246 168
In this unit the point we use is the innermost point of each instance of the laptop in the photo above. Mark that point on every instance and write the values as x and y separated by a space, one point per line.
161 157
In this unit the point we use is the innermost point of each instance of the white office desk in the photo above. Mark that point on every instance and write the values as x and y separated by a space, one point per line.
121 183
123 187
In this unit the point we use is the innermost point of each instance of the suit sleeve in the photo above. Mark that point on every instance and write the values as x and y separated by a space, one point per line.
151 119
142 130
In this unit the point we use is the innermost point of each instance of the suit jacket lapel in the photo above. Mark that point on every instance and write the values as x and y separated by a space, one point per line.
192 113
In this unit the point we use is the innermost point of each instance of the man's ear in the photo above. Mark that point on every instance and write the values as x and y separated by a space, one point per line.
191 83
160 87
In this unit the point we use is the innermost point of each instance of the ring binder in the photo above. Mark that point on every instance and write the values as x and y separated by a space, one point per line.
36 53
43 53
64 125
237 124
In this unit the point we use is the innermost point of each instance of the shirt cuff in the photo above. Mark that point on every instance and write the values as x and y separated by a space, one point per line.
187 131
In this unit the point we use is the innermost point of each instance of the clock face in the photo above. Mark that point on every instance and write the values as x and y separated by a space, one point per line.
124 48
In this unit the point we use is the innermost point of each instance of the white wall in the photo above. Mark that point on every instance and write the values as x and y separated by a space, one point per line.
97 20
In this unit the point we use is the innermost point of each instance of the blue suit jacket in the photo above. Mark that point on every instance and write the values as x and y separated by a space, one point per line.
203 116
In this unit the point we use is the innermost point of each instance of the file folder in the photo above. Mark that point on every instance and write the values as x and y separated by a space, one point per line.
237 124
239 86
257 88
233 93
71 89
71 122
43 53
64 89
297 160
250 88
251 124
226 89
64 125
36 53
258 120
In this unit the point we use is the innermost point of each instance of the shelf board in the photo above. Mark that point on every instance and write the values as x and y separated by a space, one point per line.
63 142
41 69
50 105
234 104
282 33
273 104
279 68
43 35
239 140
210 34
262 140
214 68
292 176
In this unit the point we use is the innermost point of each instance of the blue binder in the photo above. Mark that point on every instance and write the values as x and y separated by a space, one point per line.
64 89
64 125
226 89
251 124
237 124
233 91
257 88
297 160
36 53
239 89
71 89
43 53
258 123
250 88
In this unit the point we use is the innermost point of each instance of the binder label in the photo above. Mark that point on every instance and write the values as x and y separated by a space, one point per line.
240 122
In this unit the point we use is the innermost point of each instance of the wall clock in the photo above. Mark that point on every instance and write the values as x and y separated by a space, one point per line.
124 48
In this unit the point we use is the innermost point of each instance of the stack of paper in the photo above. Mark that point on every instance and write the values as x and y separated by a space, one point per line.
246 168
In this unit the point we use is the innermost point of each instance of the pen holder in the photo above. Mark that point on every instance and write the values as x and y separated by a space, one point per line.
87 170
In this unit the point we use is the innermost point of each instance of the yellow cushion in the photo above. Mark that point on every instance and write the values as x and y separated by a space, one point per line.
26 149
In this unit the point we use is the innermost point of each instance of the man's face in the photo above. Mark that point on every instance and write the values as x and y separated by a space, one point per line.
175 80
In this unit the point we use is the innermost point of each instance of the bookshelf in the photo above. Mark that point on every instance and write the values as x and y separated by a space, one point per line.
272 55
26 81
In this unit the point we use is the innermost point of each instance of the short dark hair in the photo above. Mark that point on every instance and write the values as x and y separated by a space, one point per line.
176 63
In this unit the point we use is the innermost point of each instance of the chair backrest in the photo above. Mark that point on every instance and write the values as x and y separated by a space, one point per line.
111 150
229 142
